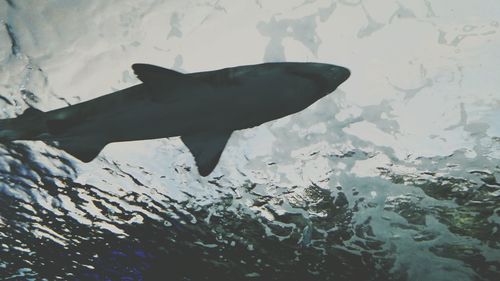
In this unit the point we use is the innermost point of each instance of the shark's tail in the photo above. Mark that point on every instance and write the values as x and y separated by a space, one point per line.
6 132
27 126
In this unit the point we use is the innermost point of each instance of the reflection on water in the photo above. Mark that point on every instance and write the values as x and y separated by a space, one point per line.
371 228
395 177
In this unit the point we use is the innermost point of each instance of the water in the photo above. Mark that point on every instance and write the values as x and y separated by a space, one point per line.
395 176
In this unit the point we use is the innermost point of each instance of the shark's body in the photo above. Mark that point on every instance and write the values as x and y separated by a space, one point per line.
202 108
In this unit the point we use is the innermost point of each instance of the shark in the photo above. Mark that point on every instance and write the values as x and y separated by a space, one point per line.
202 108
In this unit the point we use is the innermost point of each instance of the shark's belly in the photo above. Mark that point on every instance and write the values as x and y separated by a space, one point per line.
151 119
236 111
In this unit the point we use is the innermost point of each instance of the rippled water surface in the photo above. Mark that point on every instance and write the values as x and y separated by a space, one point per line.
395 176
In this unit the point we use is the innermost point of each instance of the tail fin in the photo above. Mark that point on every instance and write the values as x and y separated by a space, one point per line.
26 126
6 132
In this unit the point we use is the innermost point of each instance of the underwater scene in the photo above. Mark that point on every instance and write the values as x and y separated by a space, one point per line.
395 175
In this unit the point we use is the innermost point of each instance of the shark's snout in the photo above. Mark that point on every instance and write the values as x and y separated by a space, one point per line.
340 73
334 75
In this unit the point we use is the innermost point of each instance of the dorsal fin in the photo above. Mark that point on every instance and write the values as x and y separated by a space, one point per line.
163 83
152 74
206 148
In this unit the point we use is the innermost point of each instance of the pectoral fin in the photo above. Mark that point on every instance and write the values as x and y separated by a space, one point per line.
206 149
84 150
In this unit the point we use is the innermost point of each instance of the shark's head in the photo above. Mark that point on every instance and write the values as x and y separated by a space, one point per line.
334 76
325 77
284 87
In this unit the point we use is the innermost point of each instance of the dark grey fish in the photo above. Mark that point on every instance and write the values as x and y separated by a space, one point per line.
203 108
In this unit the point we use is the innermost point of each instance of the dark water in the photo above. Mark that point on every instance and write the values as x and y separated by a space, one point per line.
319 238
396 176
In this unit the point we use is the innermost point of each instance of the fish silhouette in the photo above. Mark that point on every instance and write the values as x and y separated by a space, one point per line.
203 108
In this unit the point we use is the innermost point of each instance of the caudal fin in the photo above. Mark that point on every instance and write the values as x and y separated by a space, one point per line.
27 126
7 133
